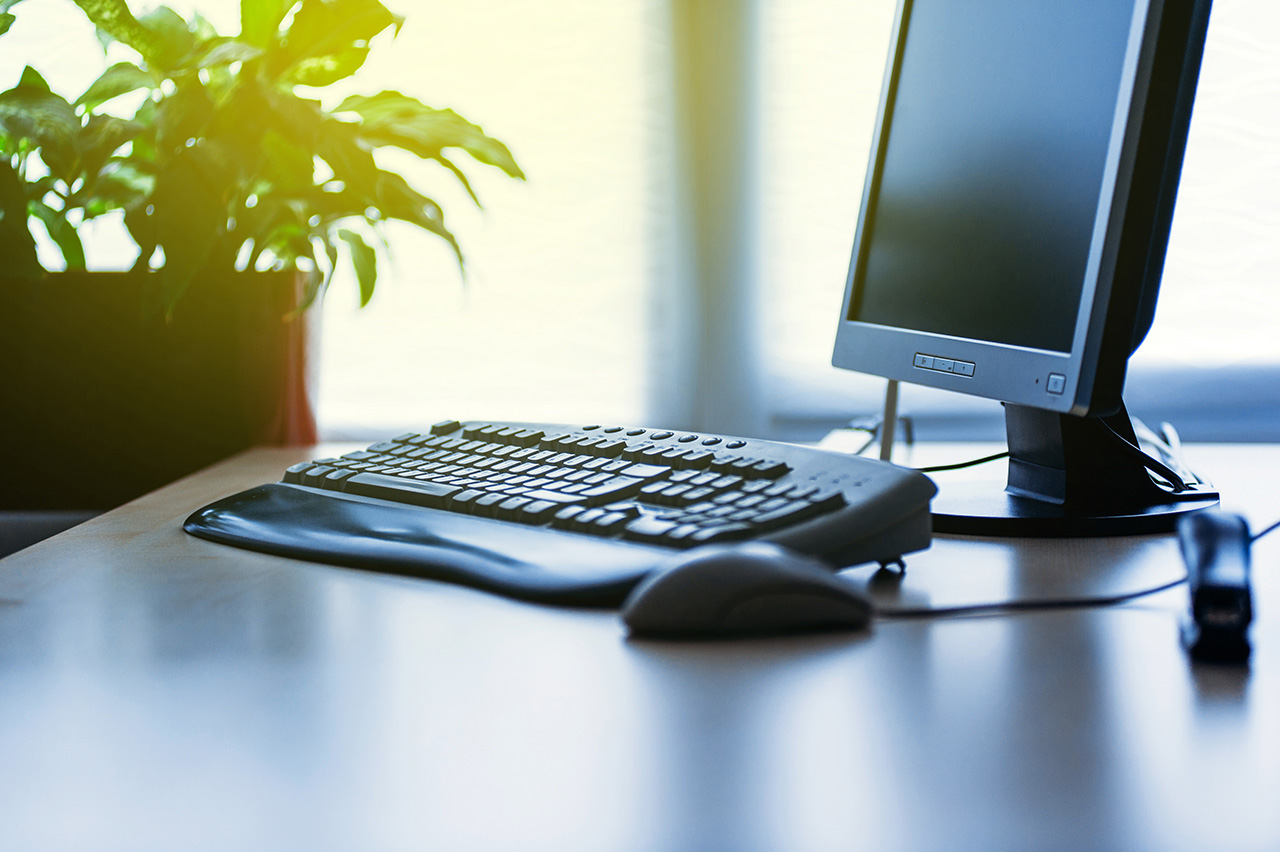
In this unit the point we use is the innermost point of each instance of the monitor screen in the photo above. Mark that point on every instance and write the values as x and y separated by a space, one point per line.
1019 194
988 193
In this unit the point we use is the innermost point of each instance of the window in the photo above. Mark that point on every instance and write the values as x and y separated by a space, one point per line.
551 324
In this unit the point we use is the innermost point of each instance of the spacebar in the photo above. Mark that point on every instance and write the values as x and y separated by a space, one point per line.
413 491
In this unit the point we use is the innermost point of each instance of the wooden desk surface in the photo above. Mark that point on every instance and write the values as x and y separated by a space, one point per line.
161 692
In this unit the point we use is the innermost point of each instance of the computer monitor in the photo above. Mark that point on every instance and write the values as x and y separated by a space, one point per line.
1012 237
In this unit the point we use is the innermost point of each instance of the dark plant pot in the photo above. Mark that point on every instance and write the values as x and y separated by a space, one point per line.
102 399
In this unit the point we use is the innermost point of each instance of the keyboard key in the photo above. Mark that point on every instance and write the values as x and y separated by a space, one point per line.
696 460
647 528
444 427
652 489
564 517
486 503
618 488
723 532
527 437
294 473
625 508
608 523
646 471
554 496
412 491
585 518
828 499
464 501
315 476
509 509
792 513
682 534
537 511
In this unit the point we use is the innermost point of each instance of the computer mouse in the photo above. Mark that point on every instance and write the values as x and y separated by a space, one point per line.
749 589
1215 546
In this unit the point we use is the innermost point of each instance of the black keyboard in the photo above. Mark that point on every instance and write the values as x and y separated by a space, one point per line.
570 515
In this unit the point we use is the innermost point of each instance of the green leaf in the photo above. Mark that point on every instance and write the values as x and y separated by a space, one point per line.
119 79
225 52
202 29
122 184
285 165
6 18
364 260
322 28
338 144
260 19
183 116
114 18
462 178
190 217
398 200
30 111
118 186
173 38
392 118
101 137
329 69
17 246
31 79
62 232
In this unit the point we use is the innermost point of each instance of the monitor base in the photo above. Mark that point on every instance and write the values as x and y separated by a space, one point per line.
972 509
1069 477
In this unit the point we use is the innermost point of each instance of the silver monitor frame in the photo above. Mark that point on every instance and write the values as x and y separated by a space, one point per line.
1014 374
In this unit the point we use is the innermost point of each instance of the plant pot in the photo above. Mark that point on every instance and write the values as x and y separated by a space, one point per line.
103 399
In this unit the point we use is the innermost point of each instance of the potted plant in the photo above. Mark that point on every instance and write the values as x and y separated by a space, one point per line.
243 193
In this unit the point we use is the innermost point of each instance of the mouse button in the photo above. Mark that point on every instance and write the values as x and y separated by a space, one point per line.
796 610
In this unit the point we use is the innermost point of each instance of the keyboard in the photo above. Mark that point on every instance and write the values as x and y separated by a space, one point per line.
570 515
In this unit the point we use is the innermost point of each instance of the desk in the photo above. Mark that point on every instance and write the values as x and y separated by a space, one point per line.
161 692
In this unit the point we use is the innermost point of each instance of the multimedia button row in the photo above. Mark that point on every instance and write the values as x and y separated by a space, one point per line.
943 365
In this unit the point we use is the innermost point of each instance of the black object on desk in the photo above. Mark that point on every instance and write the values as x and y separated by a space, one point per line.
1215 546
571 515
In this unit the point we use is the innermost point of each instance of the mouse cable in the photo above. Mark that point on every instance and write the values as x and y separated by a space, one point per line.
1004 607
1033 606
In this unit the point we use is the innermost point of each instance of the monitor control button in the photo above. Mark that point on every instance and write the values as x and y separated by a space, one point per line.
963 368
1057 383
925 361
943 365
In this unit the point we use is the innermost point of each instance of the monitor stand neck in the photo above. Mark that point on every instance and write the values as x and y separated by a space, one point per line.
1068 477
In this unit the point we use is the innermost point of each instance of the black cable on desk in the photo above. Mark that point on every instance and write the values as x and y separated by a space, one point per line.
1024 606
